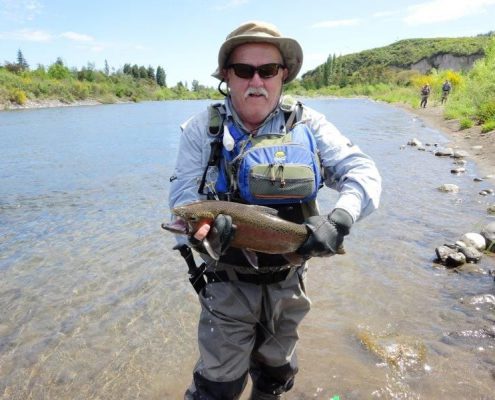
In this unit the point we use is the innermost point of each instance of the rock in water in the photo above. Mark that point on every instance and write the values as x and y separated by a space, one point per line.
449 188
488 232
474 240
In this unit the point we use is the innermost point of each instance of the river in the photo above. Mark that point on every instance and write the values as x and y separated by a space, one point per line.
96 305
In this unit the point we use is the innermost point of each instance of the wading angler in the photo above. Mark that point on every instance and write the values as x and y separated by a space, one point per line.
266 155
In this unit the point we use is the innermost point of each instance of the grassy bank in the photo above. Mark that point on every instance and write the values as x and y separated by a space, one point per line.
68 87
472 100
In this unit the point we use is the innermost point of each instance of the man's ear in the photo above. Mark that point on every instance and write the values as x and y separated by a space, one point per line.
225 75
286 73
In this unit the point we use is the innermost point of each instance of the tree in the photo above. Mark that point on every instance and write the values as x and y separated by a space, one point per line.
135 71
151 73
21 61
107 68
58 70
161 77
143 72
127 69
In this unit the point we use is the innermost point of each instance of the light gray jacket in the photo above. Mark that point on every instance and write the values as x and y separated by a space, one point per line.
347 169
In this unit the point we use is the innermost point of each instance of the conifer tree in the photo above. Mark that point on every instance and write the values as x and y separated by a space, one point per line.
135 71
21 61
151 73
127 69
107 68
161 76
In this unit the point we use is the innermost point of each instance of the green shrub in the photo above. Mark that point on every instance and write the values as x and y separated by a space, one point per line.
18 96
487 110
488 126
465 123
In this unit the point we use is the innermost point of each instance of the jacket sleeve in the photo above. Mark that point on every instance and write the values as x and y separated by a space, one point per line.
192 158
347 169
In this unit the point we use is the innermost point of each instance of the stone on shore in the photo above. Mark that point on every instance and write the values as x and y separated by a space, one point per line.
460 154
475 240
488 232
447 152
449 188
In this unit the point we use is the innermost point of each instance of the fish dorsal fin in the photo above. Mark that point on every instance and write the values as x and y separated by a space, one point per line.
264 209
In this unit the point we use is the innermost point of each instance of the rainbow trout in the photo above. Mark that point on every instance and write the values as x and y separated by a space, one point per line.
257 228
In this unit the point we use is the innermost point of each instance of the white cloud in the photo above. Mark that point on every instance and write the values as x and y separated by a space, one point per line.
444 10
336 23
77 37
20 10
27 35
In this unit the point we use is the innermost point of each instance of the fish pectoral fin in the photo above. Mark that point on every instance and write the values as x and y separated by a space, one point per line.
252 257
212 252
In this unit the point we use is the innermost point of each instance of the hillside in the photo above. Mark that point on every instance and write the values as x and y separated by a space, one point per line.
419 54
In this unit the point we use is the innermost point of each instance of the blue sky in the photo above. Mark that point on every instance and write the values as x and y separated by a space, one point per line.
184 36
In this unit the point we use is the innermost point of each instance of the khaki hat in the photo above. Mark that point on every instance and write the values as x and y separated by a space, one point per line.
261 32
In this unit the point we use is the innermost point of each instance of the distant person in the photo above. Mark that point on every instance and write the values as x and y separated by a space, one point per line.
425 92
446 88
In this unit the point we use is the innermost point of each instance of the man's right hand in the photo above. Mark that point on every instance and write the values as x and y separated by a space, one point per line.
215 238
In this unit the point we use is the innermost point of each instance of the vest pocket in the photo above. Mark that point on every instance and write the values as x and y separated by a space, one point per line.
281 181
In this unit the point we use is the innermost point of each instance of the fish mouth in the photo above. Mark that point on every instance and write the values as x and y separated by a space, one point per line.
178 226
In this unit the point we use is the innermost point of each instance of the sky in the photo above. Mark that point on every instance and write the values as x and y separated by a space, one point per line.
184 36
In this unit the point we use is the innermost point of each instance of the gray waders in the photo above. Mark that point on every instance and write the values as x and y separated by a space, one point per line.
248 327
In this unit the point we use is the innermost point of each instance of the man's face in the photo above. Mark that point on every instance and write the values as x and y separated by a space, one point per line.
251 107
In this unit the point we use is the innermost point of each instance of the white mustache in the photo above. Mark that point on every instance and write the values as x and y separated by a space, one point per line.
256 91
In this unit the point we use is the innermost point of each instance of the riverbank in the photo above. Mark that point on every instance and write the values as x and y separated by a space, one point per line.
31 104
480 146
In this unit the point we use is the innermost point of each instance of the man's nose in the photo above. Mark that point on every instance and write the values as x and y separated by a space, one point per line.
256 80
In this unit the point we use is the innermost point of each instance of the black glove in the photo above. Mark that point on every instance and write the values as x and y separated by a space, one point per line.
218 239
326 234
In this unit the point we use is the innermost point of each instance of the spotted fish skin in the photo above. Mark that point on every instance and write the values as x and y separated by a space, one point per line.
258 228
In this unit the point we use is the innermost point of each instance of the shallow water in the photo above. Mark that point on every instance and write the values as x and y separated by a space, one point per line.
96 305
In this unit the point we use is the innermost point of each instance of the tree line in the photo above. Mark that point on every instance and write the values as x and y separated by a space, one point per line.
132 82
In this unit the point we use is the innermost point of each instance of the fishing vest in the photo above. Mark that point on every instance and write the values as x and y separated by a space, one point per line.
270 169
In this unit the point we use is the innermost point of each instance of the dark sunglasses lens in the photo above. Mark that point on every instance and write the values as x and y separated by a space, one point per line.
268 70
244 71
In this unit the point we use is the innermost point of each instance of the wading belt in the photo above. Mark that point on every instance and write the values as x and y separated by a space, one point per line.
258 279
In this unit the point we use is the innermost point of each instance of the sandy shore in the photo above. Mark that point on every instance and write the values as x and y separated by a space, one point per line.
469 140
30 104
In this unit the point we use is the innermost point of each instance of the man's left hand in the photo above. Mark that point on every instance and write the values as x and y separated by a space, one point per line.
326 234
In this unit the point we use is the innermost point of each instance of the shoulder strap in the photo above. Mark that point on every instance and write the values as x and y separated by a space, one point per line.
216 118
292 110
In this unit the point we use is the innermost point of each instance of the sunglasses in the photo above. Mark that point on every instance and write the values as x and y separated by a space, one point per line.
265 71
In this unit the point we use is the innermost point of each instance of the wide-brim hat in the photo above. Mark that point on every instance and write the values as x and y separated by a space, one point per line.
261 32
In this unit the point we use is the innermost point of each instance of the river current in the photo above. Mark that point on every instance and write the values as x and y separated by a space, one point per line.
95 304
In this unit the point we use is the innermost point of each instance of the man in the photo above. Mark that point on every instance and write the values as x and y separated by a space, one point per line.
251 308
425 92
445 91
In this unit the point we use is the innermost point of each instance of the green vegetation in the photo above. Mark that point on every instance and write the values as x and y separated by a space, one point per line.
18 84
384 74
